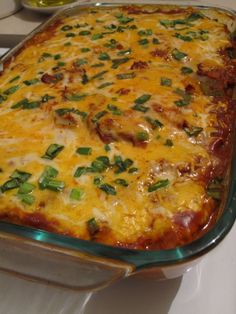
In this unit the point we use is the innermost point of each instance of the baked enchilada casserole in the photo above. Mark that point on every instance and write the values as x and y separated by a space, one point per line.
116 125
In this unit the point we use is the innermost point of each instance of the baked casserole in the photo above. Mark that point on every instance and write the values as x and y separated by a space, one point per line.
116 125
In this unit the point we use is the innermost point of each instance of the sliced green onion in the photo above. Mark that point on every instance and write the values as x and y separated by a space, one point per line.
48 173
10 185
143 42
84 150
11 90
98 75
104 56
166 81
76 194
57 56
80 171
193 131
52 151
114 109
107 147
98 116
132 170
46 98
121 182
79 62
142 136
31 82
124 52
84 33
14 79
70 35
21 176
97 36
108 189
169 142
26 198
117 62
154 122
186 70
125 76
26 188
54 185
142 99
66 28
92 226
85 49
155 41
178 55
158 185
106 84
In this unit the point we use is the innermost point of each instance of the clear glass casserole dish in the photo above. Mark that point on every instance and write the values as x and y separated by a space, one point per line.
78 264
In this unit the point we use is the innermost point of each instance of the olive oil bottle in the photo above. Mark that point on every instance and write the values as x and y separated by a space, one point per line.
49 3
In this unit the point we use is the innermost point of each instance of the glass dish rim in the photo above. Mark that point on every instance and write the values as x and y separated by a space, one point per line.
138 258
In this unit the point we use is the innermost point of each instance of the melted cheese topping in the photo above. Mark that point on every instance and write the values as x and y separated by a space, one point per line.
90 55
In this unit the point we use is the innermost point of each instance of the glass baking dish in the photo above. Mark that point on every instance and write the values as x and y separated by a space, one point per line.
83 265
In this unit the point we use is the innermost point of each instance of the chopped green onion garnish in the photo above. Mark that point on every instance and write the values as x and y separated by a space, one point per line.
142 99
154 122
147 32
76 194
84 150
48 173
75 97
70 35
10 185
124 52
14 79
21 176
186 70
122 182
79 171
97 36
99 115
26 188
183 37
26 198
57 57
104 56
54 185
105 85
125 76
155 41
31 82
178 55
107 147
193 131
85 49
98 75
169 142
52 151
142 136
114 109
92 226
84 33
132 170
108 189
166 81
11 90
158 185
66 28
143 42
46 98
79 62
117 62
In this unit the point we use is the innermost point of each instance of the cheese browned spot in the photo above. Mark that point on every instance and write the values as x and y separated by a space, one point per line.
156 83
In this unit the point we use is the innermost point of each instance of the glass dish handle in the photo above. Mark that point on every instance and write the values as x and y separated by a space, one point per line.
59 267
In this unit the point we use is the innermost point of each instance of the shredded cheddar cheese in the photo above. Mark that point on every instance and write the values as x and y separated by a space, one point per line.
116 125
